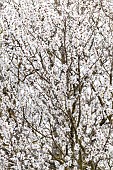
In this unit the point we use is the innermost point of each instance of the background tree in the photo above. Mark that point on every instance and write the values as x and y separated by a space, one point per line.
56 92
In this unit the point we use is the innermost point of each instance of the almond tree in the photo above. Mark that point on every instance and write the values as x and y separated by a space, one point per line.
56 89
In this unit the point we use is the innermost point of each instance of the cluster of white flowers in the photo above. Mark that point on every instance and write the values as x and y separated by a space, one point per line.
56 85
